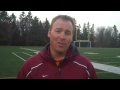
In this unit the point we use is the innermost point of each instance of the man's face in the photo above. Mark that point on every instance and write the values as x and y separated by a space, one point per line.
60 35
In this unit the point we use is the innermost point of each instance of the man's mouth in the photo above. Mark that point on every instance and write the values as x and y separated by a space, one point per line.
61 43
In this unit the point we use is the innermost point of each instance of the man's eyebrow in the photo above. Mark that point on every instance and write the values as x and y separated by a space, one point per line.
58 28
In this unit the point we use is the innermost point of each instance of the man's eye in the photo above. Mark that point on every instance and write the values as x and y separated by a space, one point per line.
68 33
57 30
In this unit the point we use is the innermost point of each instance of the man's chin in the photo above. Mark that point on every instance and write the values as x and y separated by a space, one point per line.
60 51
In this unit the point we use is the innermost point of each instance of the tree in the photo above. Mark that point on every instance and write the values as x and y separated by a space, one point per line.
107 36
46 26
92 35
22 27
4 16
100 36
4 27
14 34
119 40
34 32
78 32
114 42
28 27
85 33
74 36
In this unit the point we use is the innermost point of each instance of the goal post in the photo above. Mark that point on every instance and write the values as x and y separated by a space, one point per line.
80 41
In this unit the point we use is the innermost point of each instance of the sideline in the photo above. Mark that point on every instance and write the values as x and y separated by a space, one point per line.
107 68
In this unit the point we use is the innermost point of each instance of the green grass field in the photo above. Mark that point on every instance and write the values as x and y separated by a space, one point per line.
12 58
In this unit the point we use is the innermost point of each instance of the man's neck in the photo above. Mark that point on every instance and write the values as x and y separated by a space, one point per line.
57 55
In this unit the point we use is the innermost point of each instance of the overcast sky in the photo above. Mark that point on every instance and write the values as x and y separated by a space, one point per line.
98 18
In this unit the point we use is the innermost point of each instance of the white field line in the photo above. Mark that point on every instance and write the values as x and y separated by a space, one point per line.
21 52
27 54
107 68
104 57
108 57
110 62
8 78
89 53
18 56
102 72
29 49
118 56
105 62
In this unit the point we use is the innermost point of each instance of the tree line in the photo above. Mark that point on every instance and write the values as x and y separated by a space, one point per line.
31 31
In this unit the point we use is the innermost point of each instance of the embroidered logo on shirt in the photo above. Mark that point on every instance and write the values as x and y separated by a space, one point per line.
44 75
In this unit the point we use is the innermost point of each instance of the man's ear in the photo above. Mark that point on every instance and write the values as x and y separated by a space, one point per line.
72 41
49 33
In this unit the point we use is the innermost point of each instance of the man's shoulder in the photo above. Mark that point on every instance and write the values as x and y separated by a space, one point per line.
81 56
82 59
35 58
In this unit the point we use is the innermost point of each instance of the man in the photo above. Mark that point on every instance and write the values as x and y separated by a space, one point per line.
59 59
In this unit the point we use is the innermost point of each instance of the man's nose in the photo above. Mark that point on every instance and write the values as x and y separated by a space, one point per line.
62 35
